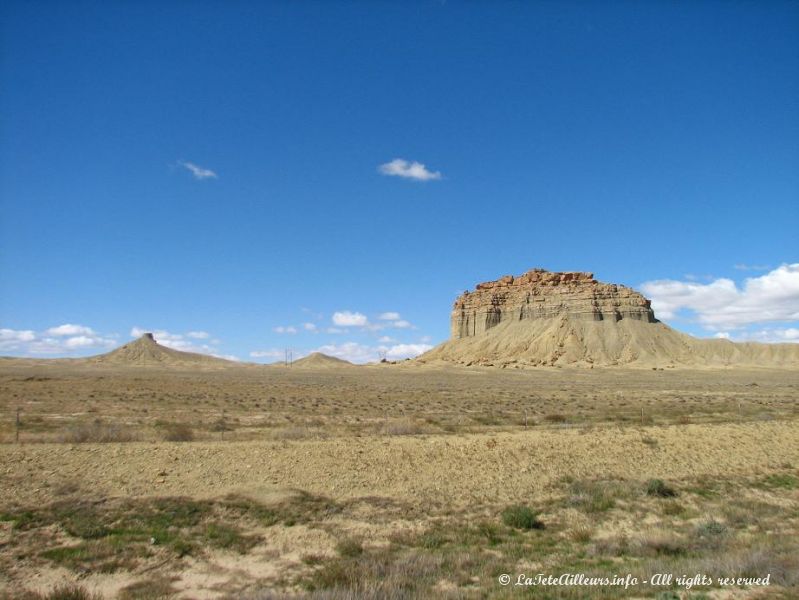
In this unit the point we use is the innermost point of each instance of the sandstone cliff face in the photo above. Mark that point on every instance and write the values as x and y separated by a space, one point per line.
539 294
570 319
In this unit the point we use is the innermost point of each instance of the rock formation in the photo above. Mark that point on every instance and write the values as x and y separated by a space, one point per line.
317 360
146 351
544 318
539 294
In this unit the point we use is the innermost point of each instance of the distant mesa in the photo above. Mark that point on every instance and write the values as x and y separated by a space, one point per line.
543 318
146 351
317 360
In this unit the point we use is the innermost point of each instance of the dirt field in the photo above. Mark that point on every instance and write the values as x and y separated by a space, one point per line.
394 481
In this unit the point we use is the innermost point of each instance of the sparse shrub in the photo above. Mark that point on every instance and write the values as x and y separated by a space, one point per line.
401 427
592 496
490 531
555 418
349 548
298 433
711 528
521 517
781 480
662 543
611 546
711 533
178 432
673 509
431 540
98 432
153 588
659 489
71 591
581 534
225 536
220 425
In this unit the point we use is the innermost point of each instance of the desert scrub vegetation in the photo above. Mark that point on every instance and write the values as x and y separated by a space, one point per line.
62 591
461 556
106 536
176 432
521 517
660 489
401 427
99 432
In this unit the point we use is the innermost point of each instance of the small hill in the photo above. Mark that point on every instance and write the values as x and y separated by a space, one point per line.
317 360
146 351
544 318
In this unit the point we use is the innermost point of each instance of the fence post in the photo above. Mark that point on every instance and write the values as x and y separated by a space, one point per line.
16 433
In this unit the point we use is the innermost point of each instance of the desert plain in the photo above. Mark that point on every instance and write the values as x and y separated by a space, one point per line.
394 480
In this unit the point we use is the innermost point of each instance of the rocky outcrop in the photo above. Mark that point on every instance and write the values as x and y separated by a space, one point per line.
147 352
571 319
317 360
540 294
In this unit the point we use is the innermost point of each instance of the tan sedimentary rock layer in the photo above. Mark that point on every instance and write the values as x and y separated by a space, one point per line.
539 294
558 319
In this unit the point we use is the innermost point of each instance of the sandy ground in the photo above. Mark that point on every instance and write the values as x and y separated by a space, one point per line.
396 449
443 469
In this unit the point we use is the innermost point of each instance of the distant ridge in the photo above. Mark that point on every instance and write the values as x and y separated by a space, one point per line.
317 360
557 319
145 351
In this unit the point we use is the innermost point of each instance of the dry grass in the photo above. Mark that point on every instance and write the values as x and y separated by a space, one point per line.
177 432
98 432
402 499
343 402
401 427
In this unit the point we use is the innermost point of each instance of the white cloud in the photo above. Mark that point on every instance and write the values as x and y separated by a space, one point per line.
197 171
80 341
401 324
70 329
55 340
362 353
272 353
410 170
14 339
722 335
198 335
346 318
25 335
351 351
281 329
722 305
745 267
310 327
774 335
179 341
389 316
386 339
402 351
335 330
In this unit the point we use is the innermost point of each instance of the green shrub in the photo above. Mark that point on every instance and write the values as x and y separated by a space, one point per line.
349 548
521 517
659 489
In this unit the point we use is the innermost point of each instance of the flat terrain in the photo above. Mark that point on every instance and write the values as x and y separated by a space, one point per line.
394 481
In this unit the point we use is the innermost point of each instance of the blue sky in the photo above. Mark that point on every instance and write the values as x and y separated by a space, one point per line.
217 171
